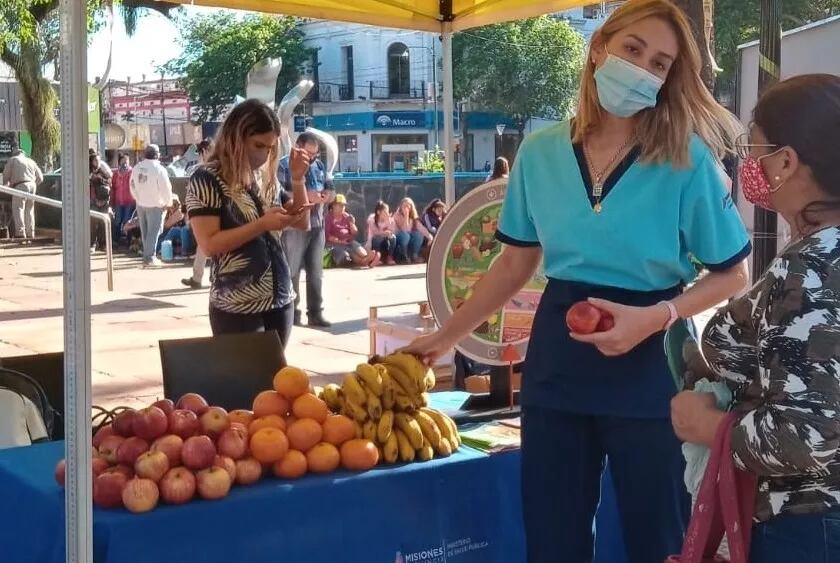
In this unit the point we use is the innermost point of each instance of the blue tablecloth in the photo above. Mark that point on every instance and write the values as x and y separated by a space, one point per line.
463 509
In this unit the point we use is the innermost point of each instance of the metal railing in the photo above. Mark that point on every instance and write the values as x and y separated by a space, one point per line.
98 215
386 90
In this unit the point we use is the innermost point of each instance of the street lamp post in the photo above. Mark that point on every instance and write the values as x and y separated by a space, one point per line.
163 115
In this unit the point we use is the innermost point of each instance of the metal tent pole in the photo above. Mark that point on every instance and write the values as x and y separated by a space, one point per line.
76 242
448 113
765 223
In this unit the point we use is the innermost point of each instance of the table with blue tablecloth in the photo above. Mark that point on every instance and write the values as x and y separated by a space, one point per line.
462 509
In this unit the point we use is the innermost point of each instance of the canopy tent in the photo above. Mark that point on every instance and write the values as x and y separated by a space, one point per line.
438 16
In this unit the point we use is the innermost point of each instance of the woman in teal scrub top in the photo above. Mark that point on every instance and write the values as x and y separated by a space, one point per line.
616 202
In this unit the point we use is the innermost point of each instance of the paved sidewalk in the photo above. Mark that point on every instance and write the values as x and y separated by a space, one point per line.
151 305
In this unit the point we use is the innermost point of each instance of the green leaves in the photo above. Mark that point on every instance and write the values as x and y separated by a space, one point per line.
220 49
527 69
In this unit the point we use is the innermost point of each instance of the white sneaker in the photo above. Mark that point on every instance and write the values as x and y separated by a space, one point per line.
155 263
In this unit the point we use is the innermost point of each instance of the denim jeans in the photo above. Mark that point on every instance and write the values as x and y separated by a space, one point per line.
122 213
151 225
408 245
804 538
305 249
182 234
385 245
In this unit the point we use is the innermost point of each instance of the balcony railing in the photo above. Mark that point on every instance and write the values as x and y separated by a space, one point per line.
384 90
330 92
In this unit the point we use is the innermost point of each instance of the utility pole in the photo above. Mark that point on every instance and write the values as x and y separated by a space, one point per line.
435 92
163 115
765 225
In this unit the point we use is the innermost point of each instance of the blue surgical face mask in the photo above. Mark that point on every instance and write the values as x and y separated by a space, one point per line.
625 89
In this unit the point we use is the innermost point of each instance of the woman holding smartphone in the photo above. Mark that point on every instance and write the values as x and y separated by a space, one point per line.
230 200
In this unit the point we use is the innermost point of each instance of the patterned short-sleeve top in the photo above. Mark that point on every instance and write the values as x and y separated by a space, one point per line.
253 278
779 348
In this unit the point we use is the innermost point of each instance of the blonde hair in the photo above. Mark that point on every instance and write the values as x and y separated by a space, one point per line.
412 213
685 104
229 153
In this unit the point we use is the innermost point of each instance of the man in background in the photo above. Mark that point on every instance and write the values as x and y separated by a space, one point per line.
305 249
152 191
22 173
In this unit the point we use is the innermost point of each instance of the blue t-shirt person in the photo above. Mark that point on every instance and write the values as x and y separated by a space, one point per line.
637 250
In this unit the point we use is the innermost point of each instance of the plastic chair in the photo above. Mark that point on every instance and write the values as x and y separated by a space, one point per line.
227 370
48 370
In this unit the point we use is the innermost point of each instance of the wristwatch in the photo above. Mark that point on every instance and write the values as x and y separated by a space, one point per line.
673 315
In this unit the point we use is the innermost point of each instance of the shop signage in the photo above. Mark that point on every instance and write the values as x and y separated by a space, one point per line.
463 251
399 120
114 136
300 123
6 139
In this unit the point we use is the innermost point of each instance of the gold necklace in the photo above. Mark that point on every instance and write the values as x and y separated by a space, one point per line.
599 177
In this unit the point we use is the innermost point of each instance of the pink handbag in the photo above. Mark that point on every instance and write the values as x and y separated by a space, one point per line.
725 504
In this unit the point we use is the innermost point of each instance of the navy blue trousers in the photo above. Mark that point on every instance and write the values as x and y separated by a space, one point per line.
563 456
807 538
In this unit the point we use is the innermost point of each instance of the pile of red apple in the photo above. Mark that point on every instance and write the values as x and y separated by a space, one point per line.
170 452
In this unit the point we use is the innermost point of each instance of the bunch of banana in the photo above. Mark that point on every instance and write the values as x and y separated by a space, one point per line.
387 401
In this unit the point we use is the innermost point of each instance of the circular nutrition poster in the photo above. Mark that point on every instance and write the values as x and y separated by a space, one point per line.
463 251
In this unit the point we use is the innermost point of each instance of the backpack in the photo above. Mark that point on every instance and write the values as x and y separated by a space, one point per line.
26 416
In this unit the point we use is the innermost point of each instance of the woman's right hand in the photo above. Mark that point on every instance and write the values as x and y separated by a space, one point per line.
431 347
277 219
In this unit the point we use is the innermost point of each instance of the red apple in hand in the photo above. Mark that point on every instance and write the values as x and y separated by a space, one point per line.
130 450
213 483
583 318
109 446
108 488
227 464
184 423
606 323
171 445
248 471
101 434
151 465
150 423
140 495
124 423
192 402
214 421
198 453
177 486
166 405
233 442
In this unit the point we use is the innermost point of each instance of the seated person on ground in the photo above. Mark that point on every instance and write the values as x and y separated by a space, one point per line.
341 231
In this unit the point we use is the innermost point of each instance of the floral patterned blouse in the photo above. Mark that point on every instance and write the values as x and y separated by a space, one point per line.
253 278
778 347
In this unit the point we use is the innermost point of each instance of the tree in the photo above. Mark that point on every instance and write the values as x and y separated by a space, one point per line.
28 42
220 49
700 12
525 69
738 21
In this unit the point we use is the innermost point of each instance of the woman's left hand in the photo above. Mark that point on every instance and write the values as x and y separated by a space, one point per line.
695 417
632 326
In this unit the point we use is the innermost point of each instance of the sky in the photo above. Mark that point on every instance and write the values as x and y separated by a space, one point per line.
154 43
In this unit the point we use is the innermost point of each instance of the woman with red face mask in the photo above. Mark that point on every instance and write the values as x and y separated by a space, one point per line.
778 347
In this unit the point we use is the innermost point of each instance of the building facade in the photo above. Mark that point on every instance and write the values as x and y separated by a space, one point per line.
378 91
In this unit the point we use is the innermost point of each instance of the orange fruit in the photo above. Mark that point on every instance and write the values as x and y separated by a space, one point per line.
270 421
291 382
338 429
269 445
323 458
270 402
359 455
304 434
292 466
242 416
310 406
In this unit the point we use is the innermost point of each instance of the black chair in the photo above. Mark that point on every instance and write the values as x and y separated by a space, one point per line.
48 371
228 370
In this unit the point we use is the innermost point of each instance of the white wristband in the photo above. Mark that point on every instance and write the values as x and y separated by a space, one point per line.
673 315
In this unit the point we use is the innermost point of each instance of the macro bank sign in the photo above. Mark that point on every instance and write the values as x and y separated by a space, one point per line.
400 120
